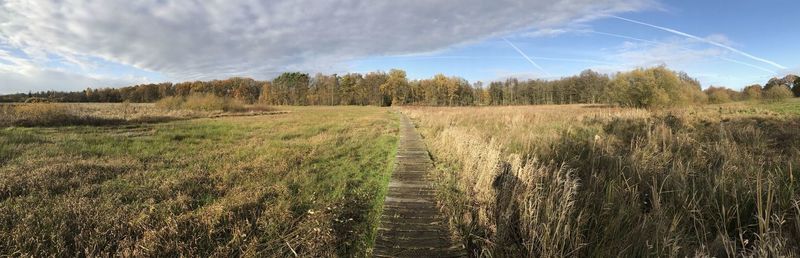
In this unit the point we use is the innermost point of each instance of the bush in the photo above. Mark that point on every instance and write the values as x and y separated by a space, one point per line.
777 93
654 88
752 92
44 114
37 100
48 114
719 95
170 103
201 102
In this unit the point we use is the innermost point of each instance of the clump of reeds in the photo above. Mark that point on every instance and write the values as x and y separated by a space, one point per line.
616 182
47 114
201 102
520 206
209 103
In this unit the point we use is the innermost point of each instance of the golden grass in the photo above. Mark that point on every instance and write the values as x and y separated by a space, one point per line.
201 102
65 114
516 128
572 180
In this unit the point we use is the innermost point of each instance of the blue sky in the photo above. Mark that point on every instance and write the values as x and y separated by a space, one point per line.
603 44
71 45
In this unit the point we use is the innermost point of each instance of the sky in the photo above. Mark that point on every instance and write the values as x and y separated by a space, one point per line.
74 44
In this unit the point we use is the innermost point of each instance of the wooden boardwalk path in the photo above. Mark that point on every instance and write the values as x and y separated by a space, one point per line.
411 225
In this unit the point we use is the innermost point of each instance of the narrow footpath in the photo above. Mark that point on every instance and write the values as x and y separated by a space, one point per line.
411 225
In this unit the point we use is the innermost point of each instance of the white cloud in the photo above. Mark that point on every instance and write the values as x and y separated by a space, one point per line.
546 33
720 38
673 52
708 40
36 79
209 39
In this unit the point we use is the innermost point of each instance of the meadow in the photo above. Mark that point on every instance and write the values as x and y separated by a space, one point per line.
305 181
599 181
208 177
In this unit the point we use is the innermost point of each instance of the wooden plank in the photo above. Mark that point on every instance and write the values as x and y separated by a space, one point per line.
411 224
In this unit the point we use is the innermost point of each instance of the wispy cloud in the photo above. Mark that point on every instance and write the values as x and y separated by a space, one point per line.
675 53
684 49
482 57
709 41
546 32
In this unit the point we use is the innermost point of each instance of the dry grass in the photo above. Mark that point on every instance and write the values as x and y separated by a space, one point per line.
203 102
517 129
66 114
554 181
265 186
209 103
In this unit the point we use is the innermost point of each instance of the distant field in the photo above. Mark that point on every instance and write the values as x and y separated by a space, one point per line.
787 107
594 181
306 182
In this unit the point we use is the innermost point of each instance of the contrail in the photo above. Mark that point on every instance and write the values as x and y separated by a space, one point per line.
749 64
664 44
526 57
572 60
624 37
508 57
703 40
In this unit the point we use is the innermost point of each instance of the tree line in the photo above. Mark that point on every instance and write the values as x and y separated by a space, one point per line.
651 87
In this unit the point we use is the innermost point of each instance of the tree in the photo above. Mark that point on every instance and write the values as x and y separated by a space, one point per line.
324 91
752 92
796 87
348 86
291 88
718 95
395 90
590 85
245 90
653 88
266 96
778 93
372 83
772 83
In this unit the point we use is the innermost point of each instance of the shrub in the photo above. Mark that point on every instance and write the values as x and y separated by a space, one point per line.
37 100
201 102
170 103
752 92
654 88
777 93
260 108
50 114
718 97
43 114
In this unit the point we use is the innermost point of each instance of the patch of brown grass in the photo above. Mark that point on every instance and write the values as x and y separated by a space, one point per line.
48 114
99 114
554 181
209 103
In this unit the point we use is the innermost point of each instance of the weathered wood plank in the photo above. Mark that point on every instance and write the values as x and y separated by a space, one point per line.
411 225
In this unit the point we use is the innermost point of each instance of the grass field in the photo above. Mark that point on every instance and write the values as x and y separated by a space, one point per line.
514 181
780 108
592 181
307 182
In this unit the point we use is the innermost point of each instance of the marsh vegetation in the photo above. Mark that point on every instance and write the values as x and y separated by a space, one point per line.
647 164
577 180
306 182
